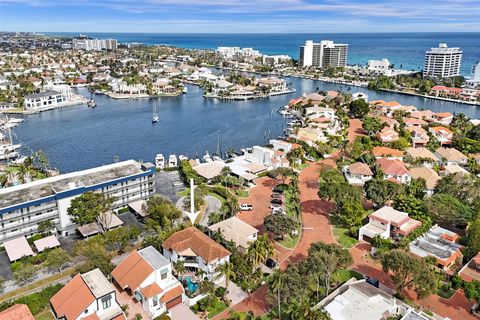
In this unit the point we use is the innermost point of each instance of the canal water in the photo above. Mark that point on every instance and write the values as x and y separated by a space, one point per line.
78 137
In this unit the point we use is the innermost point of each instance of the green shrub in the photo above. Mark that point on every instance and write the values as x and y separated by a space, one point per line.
36 302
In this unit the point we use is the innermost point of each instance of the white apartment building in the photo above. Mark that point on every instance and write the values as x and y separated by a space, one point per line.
275 59
87 44
41 100
237 52
380 66
324 54
474 80
24 206
442 62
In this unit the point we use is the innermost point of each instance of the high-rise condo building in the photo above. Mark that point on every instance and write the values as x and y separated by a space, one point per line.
322 55
442 62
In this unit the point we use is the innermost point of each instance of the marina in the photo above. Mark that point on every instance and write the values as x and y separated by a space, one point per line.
80 137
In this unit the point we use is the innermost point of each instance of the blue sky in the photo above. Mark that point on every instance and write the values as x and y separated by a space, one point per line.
229 16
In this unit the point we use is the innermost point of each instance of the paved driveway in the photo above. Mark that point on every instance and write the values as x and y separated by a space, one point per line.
168 184
182 312
213 205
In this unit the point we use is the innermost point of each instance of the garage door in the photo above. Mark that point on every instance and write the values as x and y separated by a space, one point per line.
172 303
367 238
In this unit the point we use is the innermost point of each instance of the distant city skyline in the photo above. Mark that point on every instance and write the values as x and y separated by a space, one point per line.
240 16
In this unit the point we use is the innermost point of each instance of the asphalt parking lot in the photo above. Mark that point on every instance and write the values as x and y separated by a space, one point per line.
168 184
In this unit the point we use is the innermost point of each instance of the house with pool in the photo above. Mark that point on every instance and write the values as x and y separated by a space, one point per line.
146 275
197 251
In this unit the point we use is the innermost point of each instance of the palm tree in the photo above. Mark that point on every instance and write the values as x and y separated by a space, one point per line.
260 250
200 274
295 310
226 269
276 282
180 267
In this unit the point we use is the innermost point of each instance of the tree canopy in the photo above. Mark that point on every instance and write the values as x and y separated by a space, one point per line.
89 207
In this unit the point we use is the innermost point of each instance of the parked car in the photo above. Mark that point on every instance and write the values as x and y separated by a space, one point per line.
278 189
271 263
277 196
277 210
275 205
246 207
277 201
309 158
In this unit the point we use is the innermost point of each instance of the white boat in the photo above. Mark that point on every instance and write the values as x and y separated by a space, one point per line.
155 117
207 158
15 120
8 155
160 161
217 158
185 90
182 157
172 161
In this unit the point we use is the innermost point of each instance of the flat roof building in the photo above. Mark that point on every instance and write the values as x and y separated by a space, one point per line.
22 207
323 55
442 62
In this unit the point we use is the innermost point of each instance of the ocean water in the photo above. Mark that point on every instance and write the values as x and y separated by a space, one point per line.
405 50
78 137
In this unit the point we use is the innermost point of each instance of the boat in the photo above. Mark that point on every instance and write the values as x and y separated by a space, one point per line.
172 161
155 117
217 158
160 161
8 149
182 157
206 158
185 90
91 103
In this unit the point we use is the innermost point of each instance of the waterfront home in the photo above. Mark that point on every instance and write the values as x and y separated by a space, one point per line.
210 170
197 252
44 100
419 136
235 230
421 156
87 296
471 271
440 244
125 88
281 145
449 156
272 84
147 275
430 176
387 135
357 173
444 118
443 134
387 223
446 92
162 86
267 157
24 206
17 312
359 300
6 106
386 152
426 115
394 170
414 122
310 135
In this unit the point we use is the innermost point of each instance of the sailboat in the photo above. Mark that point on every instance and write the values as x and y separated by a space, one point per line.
155 117
91 103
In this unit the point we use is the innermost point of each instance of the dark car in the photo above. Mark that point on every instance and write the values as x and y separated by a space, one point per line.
374 282
277 201
271 263
277 196
277 189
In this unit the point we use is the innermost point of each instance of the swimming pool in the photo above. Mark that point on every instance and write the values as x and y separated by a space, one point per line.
189 284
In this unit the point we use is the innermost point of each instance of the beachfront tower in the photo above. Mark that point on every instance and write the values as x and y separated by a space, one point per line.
442 62
323 55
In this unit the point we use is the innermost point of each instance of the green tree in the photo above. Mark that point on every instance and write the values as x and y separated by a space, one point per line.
225 270
119 238
472 290
180 267
260 250
416 188
350 214
472 242
409 272
415 207
92 207
448 211
57 259
380 191
372 125
279 225
46 226
25 274
92 254
358 108
161 212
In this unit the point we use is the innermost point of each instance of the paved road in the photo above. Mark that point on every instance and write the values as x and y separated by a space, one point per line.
213 205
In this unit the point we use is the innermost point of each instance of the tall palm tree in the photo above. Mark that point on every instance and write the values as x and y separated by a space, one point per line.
226 269
180 267
260 250
295 310
276 282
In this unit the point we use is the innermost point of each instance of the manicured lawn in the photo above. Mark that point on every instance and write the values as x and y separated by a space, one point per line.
45 315
291 242
341 234
184 193
216 308
341 276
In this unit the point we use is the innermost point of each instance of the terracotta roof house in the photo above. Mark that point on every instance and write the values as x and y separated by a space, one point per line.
357 173
394 169
443 134
147 274
386 152
387 223
87 296
419 135
197 251
414 122
440 244
387 135
236 230
453 169
444 118
421 154
389 122
17 312
426 115
429 175
449 156
471 271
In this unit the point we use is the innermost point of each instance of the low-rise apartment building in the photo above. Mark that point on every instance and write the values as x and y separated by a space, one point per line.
24 206
47 99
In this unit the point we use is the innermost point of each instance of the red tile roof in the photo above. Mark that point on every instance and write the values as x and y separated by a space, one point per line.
17 312
132 271
72 299
172 294
198 242
385 151
392 167
151 290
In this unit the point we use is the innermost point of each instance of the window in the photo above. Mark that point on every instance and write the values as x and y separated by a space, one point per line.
106 302
163 273
155 301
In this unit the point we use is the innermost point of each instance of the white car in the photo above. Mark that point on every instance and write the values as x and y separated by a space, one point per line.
246 207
